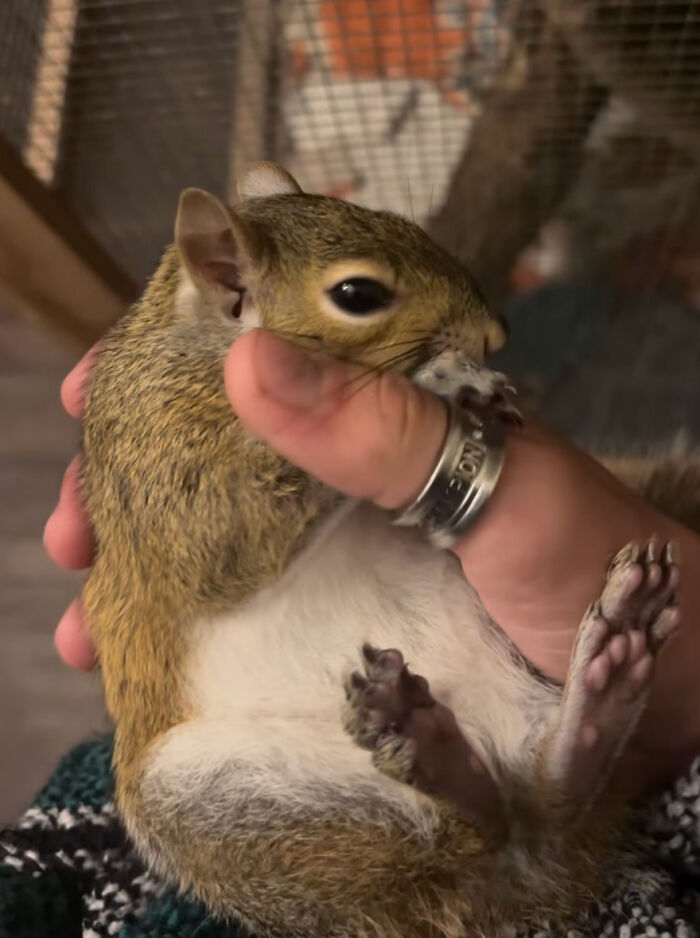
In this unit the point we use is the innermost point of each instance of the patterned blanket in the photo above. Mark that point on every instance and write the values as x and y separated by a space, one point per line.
66 870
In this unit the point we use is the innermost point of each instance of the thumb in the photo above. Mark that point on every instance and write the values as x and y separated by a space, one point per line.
374 437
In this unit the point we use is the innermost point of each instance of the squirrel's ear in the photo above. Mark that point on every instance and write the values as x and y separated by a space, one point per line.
264 179
211 240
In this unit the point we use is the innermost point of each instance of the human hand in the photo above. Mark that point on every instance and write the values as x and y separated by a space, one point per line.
68 535
537 556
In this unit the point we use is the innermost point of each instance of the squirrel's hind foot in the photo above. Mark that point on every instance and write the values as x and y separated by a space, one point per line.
416 740
612 668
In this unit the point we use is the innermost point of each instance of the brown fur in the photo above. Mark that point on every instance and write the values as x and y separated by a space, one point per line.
188 516
671 484
401 885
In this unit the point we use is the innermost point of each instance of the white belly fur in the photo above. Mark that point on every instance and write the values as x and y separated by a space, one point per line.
267 680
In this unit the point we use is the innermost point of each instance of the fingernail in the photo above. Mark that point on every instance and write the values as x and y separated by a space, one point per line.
287 373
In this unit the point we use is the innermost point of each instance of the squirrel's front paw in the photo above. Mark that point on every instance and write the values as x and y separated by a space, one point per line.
471 386
492 398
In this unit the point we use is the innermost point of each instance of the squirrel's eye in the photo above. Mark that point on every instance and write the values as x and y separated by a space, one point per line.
360 296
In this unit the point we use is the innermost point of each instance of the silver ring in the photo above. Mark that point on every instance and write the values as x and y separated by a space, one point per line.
462 481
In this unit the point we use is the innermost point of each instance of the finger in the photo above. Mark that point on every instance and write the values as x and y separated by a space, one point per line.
72 640
68 535
376 439
75 383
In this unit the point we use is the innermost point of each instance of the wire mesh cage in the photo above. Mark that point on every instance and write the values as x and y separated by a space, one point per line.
538 139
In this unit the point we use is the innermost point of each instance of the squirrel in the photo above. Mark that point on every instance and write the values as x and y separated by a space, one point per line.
256 766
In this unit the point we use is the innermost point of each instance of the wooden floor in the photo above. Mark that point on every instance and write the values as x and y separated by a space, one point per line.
44 706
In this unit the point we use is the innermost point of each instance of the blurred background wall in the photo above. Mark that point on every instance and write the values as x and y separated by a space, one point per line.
552 144
44 708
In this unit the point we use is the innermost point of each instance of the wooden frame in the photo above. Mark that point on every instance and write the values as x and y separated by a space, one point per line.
50 266
253 58
48 97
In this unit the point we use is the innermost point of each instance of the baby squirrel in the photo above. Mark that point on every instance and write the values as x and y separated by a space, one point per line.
231 594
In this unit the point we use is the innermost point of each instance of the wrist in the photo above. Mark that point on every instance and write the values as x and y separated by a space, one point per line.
531 553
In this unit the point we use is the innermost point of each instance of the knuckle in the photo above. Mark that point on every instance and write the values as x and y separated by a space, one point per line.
398 410
396 453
